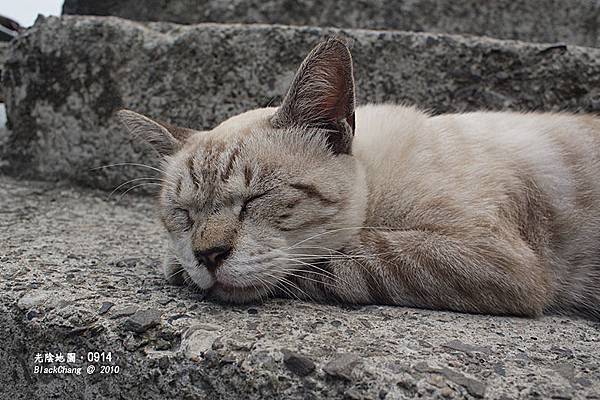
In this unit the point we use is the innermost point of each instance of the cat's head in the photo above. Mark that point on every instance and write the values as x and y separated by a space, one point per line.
251 203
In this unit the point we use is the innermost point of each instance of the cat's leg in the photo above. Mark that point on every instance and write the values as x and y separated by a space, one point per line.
479 274
173 270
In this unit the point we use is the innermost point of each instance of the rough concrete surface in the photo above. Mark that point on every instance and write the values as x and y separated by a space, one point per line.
65 76
80 273
574 22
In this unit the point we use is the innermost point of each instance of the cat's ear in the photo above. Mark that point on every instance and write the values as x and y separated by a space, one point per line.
165 139
322 95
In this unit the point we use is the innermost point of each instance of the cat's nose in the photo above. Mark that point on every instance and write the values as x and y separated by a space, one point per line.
213 257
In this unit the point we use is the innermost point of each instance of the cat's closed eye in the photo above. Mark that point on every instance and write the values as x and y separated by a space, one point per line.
244 209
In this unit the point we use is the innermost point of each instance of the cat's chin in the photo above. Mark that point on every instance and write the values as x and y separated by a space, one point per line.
237 294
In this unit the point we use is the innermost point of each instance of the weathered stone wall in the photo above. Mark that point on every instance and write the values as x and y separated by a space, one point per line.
65 77
3 50
574 22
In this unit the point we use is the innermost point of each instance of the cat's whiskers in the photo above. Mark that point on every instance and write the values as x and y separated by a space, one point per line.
294 285
331 256
331 231
123 164
187 281
341 256
127 164
283 288
257 288
354 260
137 186
267 286
361 256
179 271
155 179
323 272
290 272
287 285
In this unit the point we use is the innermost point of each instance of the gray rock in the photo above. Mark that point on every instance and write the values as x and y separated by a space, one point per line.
297 363
32 314
142 320
124 312
562 352
473 386
342 366
107 305
199 350
66 76
36 298
500 368
198 339
527 20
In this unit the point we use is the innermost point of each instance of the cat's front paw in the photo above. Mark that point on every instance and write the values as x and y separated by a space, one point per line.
174 272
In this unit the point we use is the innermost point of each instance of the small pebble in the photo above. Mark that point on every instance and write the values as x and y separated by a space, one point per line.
164 362
342 366
124 312
32 314
142 320
297 363
107 305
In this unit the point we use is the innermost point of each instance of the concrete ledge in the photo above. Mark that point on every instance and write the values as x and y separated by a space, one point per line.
529 20
79 274
65 77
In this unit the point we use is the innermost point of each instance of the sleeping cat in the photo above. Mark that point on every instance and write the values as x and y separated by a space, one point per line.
484 212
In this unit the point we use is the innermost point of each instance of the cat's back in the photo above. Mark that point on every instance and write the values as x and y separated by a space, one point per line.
562 133
558 152
390 131
471 161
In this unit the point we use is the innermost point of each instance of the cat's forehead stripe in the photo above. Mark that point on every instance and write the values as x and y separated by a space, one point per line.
208 162
311 191
233 154
192 172
247 175
178 185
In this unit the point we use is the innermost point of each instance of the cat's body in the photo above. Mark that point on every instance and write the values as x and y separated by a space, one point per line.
508 202
483 212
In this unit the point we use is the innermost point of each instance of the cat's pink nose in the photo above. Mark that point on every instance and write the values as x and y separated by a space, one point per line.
213 257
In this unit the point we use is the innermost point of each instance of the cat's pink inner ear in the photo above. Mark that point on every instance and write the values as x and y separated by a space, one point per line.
165 139
322 95
339 101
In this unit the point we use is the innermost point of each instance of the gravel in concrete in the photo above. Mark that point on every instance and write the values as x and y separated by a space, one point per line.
65 253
